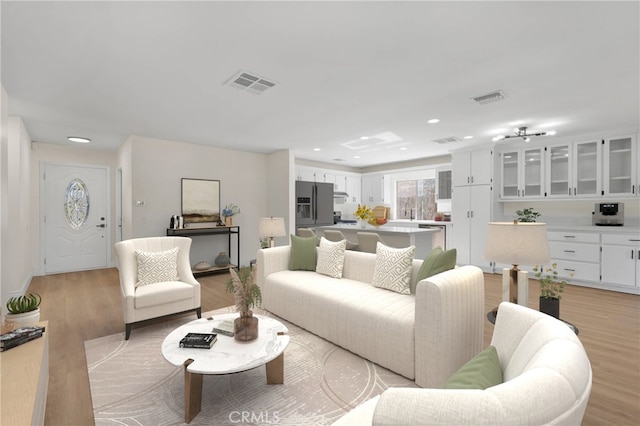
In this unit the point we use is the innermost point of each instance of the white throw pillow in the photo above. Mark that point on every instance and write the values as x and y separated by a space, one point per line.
157 266
393 268
331 257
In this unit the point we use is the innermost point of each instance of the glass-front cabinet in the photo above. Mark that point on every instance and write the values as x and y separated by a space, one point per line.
558 171
587 170
522 173
619 166
574 170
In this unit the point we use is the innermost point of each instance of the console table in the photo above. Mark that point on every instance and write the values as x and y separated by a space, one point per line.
217 230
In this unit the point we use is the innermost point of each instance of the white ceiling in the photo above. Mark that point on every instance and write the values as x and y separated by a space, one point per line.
106 70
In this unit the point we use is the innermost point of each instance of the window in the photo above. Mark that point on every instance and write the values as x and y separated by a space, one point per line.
416 199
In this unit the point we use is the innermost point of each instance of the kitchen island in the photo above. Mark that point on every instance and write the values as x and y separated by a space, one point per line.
393 236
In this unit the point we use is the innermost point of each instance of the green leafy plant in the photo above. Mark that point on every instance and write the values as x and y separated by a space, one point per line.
22 304
551 286
527 215
245 291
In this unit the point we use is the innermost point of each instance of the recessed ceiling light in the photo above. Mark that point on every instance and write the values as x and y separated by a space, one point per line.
468 137
316 149
356 156
403 148
78 139
364 138
433 121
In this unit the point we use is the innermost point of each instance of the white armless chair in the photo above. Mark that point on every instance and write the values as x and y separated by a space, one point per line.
164 283
334 235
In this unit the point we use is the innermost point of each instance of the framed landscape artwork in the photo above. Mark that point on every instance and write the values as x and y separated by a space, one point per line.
201 201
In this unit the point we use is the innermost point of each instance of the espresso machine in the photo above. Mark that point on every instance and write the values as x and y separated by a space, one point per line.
608 214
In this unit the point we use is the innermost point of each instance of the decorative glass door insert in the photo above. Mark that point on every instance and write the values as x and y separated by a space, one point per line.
76 203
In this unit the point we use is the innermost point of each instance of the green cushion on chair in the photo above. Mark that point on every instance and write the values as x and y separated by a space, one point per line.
303 253
480 372
437 261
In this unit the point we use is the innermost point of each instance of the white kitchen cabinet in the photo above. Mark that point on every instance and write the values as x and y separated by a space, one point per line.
472 168
574 170
620 263
306 174
577 255
340 183
354 189
587 172
620 166
373 190
470 214
522 173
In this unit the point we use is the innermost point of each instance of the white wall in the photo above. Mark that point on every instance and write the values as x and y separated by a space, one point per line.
281 178
16 253
155 173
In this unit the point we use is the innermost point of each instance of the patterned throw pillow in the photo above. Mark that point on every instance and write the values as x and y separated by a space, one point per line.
393 268
331 257
157 266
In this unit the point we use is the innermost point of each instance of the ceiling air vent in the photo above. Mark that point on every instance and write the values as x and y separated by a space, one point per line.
490 97
250 82
450 139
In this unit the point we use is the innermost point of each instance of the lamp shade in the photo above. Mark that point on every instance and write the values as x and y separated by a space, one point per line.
517 243
271 227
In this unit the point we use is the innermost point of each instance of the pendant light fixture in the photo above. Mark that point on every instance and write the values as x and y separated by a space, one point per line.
521 132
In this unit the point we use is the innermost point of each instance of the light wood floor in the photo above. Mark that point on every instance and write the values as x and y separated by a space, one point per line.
86 305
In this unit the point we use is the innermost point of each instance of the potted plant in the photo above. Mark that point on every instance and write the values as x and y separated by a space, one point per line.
247 295
551 289
24 310
228 212
527 215
363 214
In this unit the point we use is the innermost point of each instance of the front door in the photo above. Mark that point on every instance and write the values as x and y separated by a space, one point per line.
75 218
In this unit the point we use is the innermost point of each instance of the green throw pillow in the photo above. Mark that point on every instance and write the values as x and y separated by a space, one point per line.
303 253
437 261
480 372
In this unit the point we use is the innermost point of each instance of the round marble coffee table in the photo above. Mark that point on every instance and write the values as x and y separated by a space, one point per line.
226 356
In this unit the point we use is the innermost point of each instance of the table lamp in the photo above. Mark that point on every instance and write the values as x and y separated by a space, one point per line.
517 243
270 227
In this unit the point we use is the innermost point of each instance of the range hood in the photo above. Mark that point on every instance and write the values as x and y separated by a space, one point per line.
340 194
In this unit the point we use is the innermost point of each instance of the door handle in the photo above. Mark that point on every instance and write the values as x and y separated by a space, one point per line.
102 225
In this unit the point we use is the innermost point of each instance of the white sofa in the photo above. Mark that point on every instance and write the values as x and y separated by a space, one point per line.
546 380
426 335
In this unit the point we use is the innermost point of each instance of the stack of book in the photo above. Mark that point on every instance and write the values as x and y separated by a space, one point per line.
19 336
198 340
225 328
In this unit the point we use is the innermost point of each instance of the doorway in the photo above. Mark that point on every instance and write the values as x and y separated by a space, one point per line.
75 217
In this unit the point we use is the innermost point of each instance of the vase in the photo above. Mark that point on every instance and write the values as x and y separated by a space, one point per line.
25 319
550 307
228 221
245 327
222 259
363 223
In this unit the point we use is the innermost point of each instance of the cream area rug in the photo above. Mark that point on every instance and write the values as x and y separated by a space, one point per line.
132 384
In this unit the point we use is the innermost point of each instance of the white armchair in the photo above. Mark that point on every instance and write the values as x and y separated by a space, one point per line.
160 296
546 380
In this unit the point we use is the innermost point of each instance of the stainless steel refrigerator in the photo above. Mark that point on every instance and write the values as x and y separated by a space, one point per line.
314 204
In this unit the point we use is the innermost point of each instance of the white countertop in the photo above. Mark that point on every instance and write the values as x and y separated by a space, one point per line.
383 229
595 229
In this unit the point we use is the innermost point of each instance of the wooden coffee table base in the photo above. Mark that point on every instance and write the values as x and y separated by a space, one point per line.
193 385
